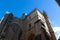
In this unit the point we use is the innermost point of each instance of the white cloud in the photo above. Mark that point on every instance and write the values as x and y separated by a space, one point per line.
57 31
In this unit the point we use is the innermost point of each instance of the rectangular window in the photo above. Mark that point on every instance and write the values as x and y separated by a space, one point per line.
29 27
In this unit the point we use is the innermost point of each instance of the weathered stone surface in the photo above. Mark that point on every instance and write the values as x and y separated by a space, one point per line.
34 26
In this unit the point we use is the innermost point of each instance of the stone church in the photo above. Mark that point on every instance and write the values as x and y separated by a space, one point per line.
34 26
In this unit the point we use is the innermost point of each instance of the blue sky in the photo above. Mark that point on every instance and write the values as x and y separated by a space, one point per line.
18 7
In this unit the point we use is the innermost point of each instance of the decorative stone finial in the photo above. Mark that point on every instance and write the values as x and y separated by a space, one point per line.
7 12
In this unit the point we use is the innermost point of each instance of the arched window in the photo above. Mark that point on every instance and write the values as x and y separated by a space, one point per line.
16 29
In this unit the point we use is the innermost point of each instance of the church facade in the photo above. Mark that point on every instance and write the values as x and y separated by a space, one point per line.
34 26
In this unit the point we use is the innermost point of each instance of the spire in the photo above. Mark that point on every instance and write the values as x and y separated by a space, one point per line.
24 16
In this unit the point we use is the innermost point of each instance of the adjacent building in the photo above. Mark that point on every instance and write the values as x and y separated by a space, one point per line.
34 26
58 1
